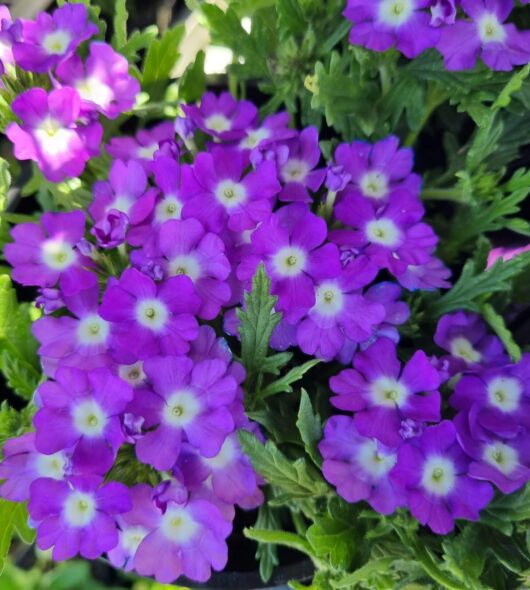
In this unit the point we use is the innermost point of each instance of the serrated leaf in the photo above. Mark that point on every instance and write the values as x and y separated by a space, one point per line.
267 553
138 41
291 18
498 325
192 84
465 555
21 376
364 573
334 540
310 427
283 538
284 383
121 16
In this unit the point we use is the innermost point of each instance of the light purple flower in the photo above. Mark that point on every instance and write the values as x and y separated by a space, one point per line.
443 12
291 245
273 129
49 134
44 255
23 464
298 172
427 277
505 254
82 409
383 395
149 318
9 33
111 230
382 24
500 46
221 193
359 466
222 116
77 516
103 81
51 38
49 300
188 400
433 471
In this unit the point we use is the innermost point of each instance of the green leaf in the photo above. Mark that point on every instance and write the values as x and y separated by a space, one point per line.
20 375
267 553
465 555
14 423
310 427
121 15
13 518
138 41
284 383
8 305
364 573
334 540
511 508
284 538
291 18
514 85
498 325
192 84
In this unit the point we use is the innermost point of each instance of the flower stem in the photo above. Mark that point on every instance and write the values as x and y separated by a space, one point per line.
435 97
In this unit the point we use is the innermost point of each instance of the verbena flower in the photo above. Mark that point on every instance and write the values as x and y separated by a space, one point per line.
443 12
274 128
9 33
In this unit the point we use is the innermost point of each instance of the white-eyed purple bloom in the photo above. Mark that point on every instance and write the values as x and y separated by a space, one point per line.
433 471
50 135
383 395
274 128
359 466
77 516
82 410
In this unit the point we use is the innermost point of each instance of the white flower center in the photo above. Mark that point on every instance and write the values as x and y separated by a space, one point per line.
181 409
383 231
122 203
490 30
133 374
56 43
295 170
92 329
329 299
89 418
225 456
185 264
94 90
169 208
254 138
373 461
146 152
131 537
501 456
395 13
218 123
289 261
152 314
230 193
388 392
504 393
374 184
79 509
58 254
461 348
51 465
438 476
52 137
178 526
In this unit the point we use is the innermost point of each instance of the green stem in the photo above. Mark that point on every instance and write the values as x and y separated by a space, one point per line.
444 194
435 97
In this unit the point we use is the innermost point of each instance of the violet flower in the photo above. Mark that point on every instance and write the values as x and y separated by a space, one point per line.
443 12
272 129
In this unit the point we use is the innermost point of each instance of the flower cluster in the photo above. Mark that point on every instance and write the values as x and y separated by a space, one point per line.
411 26
58 122
400 450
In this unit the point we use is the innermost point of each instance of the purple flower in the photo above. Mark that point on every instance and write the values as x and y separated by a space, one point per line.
298 172
340 312
433 471
383 395
274 128
290 243
150 318
427 277
497 400
222 116
220 193
111 230
9 33
77 516
49 300
466 338
44 256
358 466
443 12
191 251
382 24
377 171
23 464
82 409
503 461
49 134
80 341
500 46
505 254
188 400
51 38
103 81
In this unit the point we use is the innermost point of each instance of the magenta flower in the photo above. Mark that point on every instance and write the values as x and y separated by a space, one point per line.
443 12
77 516
188 400
500 46
111 230
396 312
432 469
222 116
220 193
465 336
274 128
377 171
82 409
191 251
49 134
291 245
9 33
23 464
427 277
298 172
383 395
47 255
51 38
149 318
103 81
358 466
382 24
